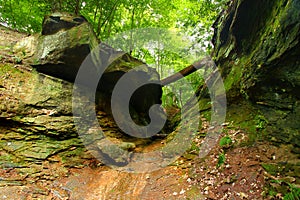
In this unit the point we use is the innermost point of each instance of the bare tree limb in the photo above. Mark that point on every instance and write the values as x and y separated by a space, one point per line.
186 71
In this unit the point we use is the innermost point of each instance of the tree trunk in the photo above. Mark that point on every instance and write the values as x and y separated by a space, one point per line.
77 7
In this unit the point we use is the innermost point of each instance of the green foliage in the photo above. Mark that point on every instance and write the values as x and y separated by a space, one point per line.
294 193
225 141
260 122
194 148
25 15
272 169
287 190
110 17
17 59
197 17
282 186
169 99
221 159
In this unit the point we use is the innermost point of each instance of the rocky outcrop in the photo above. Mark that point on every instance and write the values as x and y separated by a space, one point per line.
67 41
61 49
58 21
257 49
36 119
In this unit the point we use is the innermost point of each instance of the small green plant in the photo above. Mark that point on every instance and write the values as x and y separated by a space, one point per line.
290 191
294 193
260 122
194 147
17 60
225 141
221 159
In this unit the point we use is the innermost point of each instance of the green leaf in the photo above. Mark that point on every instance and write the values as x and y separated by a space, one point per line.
225 141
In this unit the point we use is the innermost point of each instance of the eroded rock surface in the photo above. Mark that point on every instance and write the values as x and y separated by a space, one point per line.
257 49
37 123
67 41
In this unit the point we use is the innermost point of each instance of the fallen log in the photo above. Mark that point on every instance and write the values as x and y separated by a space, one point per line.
186 71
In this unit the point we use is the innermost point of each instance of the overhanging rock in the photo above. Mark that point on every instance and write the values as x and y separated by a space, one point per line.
67 41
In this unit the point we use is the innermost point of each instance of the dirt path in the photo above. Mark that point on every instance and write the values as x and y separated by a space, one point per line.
240 177
102 183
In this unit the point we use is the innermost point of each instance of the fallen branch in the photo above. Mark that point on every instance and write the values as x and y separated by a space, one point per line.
186 71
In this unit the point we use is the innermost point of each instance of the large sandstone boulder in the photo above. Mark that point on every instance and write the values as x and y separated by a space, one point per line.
67 40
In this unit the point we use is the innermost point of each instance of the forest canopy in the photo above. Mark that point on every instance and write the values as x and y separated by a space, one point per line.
110 17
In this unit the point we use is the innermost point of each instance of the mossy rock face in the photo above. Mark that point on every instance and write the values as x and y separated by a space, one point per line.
36 120
67 41
36 110
61 54
257 50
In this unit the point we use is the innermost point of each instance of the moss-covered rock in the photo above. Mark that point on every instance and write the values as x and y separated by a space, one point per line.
36 110
58 21
67 42
36 119
257 49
